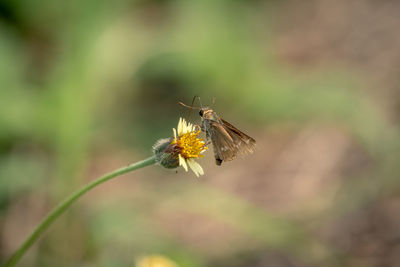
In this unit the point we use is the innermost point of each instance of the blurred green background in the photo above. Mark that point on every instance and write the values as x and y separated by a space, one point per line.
89 86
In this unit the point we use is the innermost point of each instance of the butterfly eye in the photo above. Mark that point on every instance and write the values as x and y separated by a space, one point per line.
201 113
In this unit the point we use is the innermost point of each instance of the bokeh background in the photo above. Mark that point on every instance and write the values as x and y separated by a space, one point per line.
89 86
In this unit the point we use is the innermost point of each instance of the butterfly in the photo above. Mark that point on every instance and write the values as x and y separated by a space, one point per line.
227 140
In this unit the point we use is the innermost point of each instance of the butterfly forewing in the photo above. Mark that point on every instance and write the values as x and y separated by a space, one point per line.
249 141
229 142
223 143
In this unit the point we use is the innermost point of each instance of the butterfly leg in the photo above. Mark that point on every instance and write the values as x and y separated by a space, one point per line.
197 127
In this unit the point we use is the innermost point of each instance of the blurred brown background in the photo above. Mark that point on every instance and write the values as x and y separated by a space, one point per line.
89 86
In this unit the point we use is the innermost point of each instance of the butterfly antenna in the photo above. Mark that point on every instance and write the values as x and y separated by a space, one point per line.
201 105
190 107
186 106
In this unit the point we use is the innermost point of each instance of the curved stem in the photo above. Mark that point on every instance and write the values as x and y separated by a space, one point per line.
63 206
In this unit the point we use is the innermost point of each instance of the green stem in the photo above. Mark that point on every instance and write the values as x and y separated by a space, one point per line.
62 207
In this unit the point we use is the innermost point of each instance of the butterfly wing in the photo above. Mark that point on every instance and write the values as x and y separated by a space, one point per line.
244 144
229 142
224 150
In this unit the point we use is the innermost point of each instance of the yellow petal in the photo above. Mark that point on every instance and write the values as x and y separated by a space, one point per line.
180 126
182 162
192 166
184 127
190 127
196 168
174 132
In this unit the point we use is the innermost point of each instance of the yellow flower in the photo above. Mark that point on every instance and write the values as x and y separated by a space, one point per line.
155 261
189 146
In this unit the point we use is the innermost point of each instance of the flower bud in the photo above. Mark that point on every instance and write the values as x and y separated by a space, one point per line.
166 153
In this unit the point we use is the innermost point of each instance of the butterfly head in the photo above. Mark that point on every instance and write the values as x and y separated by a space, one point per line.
207 113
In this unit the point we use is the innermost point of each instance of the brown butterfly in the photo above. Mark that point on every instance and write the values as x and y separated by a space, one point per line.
228 141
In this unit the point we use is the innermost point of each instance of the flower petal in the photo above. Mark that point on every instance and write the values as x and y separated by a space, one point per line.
180 127
191 127
182 162
174 132
184 127
196 168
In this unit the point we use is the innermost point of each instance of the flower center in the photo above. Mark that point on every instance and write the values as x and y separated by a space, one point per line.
190 145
